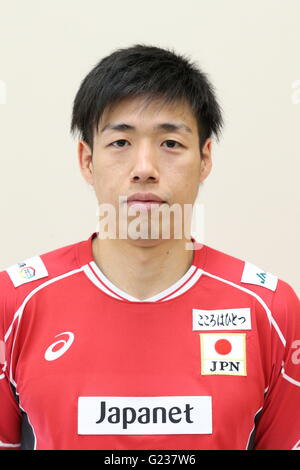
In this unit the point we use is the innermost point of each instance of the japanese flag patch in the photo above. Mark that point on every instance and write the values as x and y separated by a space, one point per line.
223 354
29 270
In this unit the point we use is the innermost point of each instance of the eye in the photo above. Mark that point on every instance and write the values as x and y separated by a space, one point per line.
172 144
120 143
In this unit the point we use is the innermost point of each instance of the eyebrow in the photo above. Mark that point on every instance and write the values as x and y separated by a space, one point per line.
165 126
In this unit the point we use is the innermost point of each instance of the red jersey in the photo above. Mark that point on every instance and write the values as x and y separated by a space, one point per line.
212 362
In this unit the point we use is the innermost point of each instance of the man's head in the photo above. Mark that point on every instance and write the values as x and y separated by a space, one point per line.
145 117
150 72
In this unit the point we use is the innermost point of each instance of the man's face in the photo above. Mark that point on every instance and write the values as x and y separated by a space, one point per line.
146 149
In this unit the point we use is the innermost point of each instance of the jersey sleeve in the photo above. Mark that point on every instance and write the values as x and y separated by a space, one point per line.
278 423
10 415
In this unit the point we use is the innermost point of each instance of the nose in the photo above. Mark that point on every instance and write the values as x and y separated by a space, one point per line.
144 168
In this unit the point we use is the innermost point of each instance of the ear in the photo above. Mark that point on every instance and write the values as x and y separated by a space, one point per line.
206 160
85 156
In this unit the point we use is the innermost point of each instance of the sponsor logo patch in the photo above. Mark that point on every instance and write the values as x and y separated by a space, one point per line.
223 354
145 415
29 270
254 275
228 319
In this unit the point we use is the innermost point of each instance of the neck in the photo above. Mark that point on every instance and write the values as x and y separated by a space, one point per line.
142 271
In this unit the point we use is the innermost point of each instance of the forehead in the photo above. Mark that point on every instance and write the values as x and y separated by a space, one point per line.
143 111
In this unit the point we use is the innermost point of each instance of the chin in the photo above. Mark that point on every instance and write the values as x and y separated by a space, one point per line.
146 242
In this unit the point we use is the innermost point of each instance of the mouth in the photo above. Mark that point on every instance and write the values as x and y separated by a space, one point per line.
144 204
145 200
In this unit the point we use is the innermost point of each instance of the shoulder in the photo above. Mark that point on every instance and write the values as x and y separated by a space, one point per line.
239 271
22 278
275 293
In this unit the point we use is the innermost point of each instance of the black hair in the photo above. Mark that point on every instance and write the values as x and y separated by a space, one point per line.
148 71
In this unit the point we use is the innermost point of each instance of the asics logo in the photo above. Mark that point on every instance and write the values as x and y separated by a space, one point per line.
53 353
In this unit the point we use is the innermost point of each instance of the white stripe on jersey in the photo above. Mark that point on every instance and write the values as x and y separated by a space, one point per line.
6 444
186 286
19 312
289 379
31 294
267 310
109 288
87 270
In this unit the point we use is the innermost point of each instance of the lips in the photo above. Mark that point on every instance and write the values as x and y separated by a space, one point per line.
145 201
144 198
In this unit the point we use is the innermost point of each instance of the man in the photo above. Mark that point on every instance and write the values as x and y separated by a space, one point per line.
131 340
